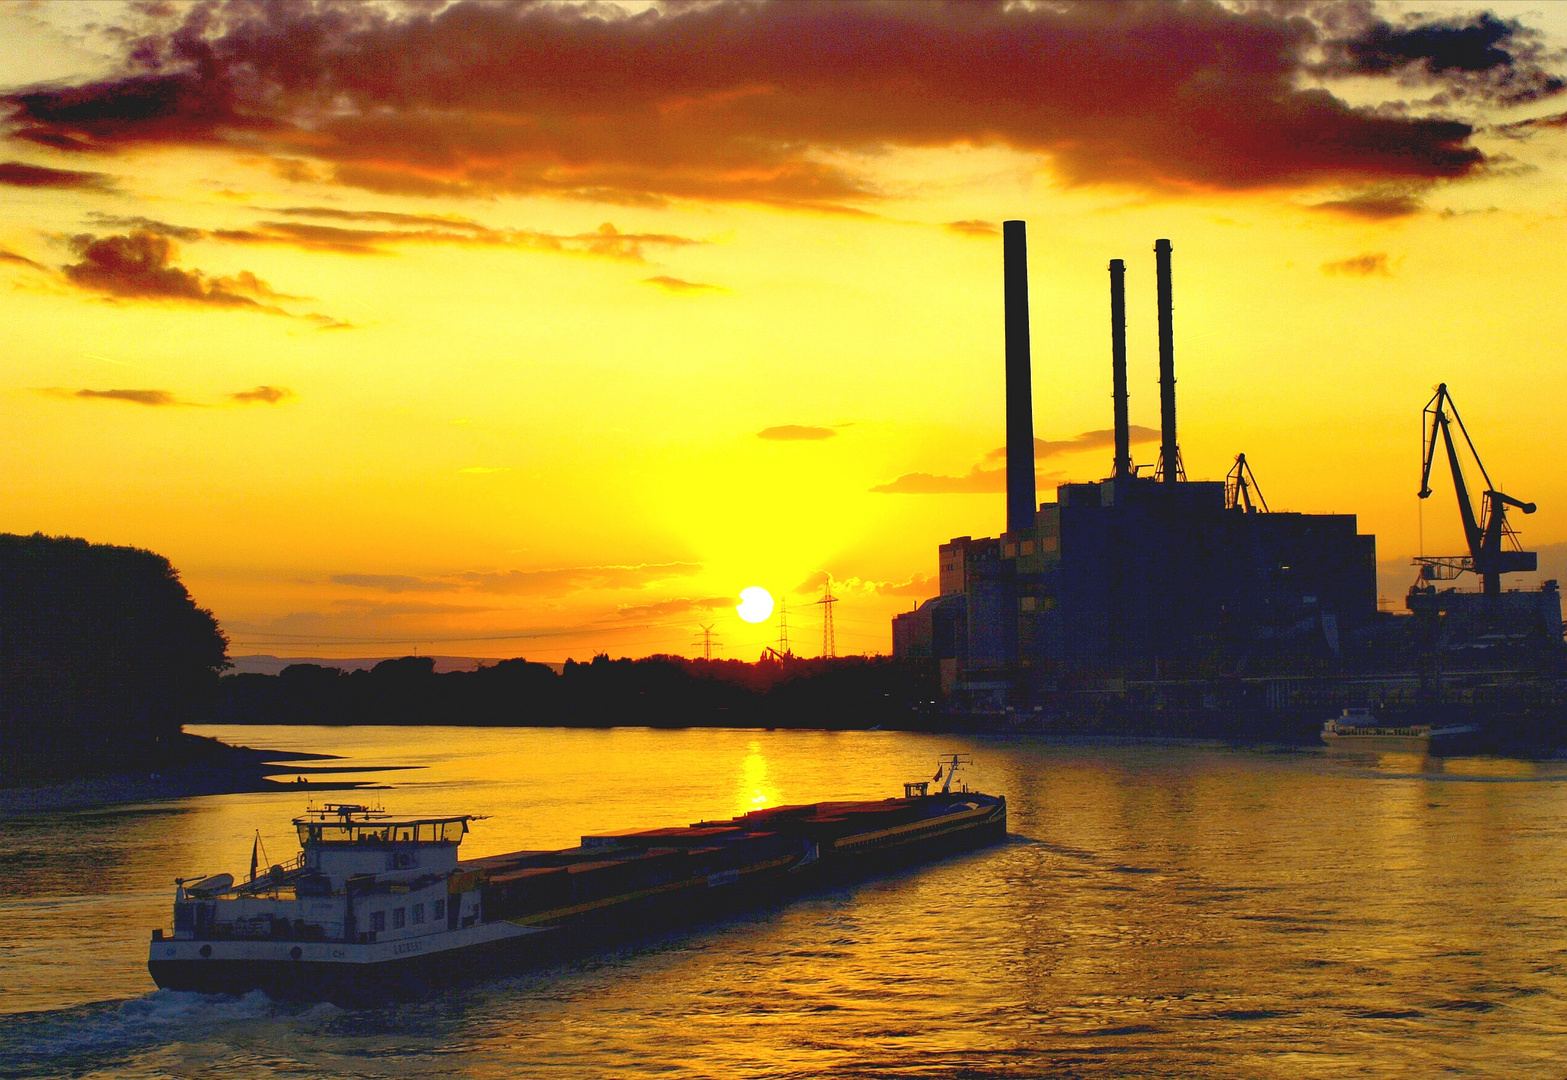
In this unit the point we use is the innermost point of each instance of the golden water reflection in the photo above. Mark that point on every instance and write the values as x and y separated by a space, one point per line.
756 790
1474 767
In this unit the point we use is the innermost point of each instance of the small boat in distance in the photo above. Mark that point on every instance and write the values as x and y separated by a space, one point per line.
1359 729
380 906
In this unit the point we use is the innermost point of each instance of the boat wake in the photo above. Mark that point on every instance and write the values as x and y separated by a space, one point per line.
83 1037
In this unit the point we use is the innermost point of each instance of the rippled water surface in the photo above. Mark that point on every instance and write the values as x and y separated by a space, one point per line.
1161 911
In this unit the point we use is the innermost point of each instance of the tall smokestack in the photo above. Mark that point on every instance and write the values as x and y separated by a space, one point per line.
1020 395
1169 451
1123 431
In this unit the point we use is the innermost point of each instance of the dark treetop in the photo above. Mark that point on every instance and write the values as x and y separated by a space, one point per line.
103 656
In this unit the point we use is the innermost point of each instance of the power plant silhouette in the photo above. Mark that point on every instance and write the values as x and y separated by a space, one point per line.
1147 574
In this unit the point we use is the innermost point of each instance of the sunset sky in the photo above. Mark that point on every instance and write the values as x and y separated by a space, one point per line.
543 330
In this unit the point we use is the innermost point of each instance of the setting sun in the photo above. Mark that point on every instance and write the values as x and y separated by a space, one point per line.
756 604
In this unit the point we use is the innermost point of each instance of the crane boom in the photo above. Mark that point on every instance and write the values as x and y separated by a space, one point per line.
1482 533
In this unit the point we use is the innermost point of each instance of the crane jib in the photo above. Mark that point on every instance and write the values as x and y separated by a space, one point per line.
1482 532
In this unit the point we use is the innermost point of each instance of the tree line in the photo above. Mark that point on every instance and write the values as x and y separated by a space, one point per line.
656 691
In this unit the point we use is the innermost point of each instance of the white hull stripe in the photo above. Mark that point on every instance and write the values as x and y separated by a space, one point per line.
339 952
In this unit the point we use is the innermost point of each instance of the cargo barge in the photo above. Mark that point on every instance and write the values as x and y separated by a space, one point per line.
381 906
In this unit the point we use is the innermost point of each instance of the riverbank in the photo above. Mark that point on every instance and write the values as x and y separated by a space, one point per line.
199 766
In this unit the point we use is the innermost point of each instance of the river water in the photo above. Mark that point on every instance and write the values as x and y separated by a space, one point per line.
1160 911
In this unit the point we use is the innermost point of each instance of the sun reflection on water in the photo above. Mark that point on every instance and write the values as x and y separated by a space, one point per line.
755 791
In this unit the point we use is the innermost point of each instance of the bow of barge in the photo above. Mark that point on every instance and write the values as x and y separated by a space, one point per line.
377 905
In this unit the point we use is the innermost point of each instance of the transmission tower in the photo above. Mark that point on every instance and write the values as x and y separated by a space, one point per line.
707 641
783 628
829 646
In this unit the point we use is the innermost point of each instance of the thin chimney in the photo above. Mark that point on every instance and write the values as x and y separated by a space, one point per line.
1123 432
1020 399
1169 451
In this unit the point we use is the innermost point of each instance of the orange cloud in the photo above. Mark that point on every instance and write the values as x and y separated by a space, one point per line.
1088 440
980 229
676 285
139 266
268 395
681 606
1372 264
795 433
1375 205
554 581
20 260
135 397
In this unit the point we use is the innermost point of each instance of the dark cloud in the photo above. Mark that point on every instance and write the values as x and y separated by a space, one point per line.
1371 264
267 395
135 397
764 102
21 260
1479 56
974 228
1374 206
675 607
138 266
679 285
18 174
138 223
796 433
1523 129
605 242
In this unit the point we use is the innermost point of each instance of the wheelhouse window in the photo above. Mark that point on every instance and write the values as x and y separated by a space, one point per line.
314 833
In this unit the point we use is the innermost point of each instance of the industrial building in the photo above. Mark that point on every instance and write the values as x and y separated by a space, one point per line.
1138 573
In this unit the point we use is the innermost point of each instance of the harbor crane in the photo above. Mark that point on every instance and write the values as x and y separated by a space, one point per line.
1241 491
1484 533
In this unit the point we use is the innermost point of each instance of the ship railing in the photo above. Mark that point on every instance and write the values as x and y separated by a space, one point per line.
279 874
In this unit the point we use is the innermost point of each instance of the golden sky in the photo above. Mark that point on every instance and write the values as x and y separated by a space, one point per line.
543 330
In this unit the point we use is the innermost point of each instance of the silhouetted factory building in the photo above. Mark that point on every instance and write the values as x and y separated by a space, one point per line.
1120 574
